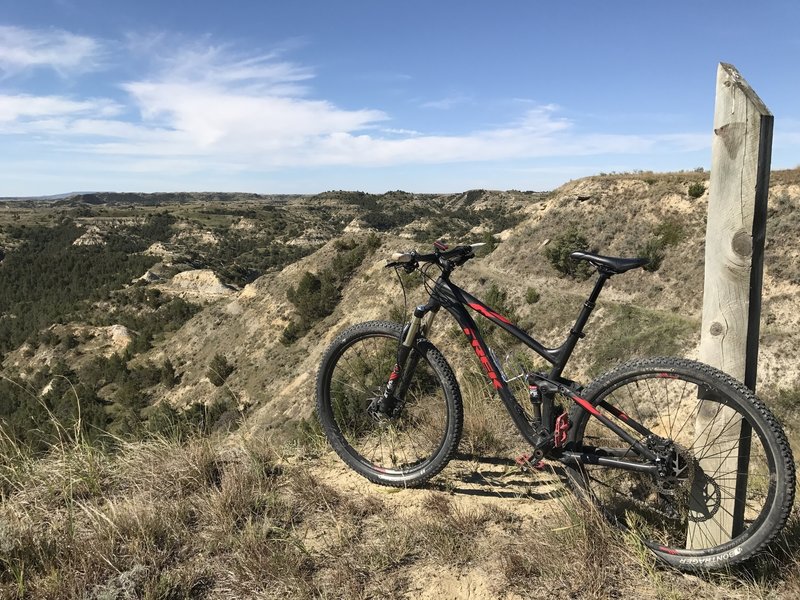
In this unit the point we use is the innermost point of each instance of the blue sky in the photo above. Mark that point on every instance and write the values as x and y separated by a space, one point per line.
375 95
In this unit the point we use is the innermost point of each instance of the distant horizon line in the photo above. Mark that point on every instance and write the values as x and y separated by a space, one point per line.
66 195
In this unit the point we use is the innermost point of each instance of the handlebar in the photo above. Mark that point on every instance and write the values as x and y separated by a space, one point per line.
446 258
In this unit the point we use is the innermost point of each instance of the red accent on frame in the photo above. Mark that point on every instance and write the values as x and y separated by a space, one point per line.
586 404
395 373
489 314
617 412
487 365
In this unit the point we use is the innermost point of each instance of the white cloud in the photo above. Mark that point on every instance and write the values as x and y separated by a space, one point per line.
400 131
22 49
205 109
217 101
218 64
23 107
211 115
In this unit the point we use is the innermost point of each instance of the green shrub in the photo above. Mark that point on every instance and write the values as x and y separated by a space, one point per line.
167 376
490 241
654 251
670 231
559 249
666 234
316 296
293 332
697 189
219 370
532 296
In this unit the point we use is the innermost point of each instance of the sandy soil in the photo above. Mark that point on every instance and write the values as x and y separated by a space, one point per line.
532 494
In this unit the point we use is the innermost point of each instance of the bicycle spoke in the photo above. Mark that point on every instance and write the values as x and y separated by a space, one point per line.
687 508
393 443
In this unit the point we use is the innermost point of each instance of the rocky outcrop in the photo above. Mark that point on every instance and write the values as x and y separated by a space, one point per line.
206 238
120 336
92 237
150 277
159 249
198 285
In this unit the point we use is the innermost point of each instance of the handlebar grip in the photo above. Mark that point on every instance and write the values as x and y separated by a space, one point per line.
402 257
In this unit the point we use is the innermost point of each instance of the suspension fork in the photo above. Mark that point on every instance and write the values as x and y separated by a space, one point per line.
407 358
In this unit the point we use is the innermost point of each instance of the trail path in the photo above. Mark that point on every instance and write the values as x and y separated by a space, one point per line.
534 496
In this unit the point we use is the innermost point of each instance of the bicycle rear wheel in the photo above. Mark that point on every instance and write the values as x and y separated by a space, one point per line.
727 476
405 449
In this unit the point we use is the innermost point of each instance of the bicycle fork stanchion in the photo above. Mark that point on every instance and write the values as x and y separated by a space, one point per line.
400 377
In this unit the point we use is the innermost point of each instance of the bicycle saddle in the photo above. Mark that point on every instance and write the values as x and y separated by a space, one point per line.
613 264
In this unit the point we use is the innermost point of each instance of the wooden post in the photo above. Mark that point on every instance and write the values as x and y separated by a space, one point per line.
735 236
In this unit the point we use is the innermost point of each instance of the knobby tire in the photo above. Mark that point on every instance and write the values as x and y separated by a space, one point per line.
679 518
404 450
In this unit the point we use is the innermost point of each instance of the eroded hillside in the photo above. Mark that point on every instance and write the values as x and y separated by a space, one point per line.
640 313
212 315
231 278
73 269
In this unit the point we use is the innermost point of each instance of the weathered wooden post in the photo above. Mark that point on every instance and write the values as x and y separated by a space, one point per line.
735 235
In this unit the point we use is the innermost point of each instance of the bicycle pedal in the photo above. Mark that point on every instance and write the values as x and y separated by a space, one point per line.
524 461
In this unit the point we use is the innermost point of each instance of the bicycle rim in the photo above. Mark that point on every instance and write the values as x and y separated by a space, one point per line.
396 445
719 486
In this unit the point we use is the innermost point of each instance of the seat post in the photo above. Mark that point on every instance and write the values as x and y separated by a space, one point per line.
576 333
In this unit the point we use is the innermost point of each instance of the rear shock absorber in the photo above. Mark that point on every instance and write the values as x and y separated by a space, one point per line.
535 396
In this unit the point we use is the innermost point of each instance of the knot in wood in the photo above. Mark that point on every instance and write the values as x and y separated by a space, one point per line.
716 328
742 243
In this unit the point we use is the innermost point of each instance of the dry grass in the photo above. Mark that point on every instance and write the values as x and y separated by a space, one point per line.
488 430
201 520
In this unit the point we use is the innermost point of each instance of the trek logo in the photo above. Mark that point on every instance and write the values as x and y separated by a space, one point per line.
476 345
489 314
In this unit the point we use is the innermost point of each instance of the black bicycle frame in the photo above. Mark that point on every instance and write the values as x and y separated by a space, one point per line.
452 298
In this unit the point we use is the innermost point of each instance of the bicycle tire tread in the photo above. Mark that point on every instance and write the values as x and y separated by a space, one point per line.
779 516
447 379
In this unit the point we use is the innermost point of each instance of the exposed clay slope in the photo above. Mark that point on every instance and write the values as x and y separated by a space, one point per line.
640 312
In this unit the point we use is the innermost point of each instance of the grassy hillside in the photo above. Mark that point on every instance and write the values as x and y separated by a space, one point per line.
640 313
213 519
158 438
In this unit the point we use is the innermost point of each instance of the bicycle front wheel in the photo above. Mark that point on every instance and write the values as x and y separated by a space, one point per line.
413 444
726 475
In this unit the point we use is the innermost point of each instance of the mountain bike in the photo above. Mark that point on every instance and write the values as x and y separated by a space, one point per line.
674 450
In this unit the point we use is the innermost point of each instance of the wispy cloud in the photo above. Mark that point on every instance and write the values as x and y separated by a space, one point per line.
216 99
21 108
446 103
400 131
216 64
23 49
206 108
